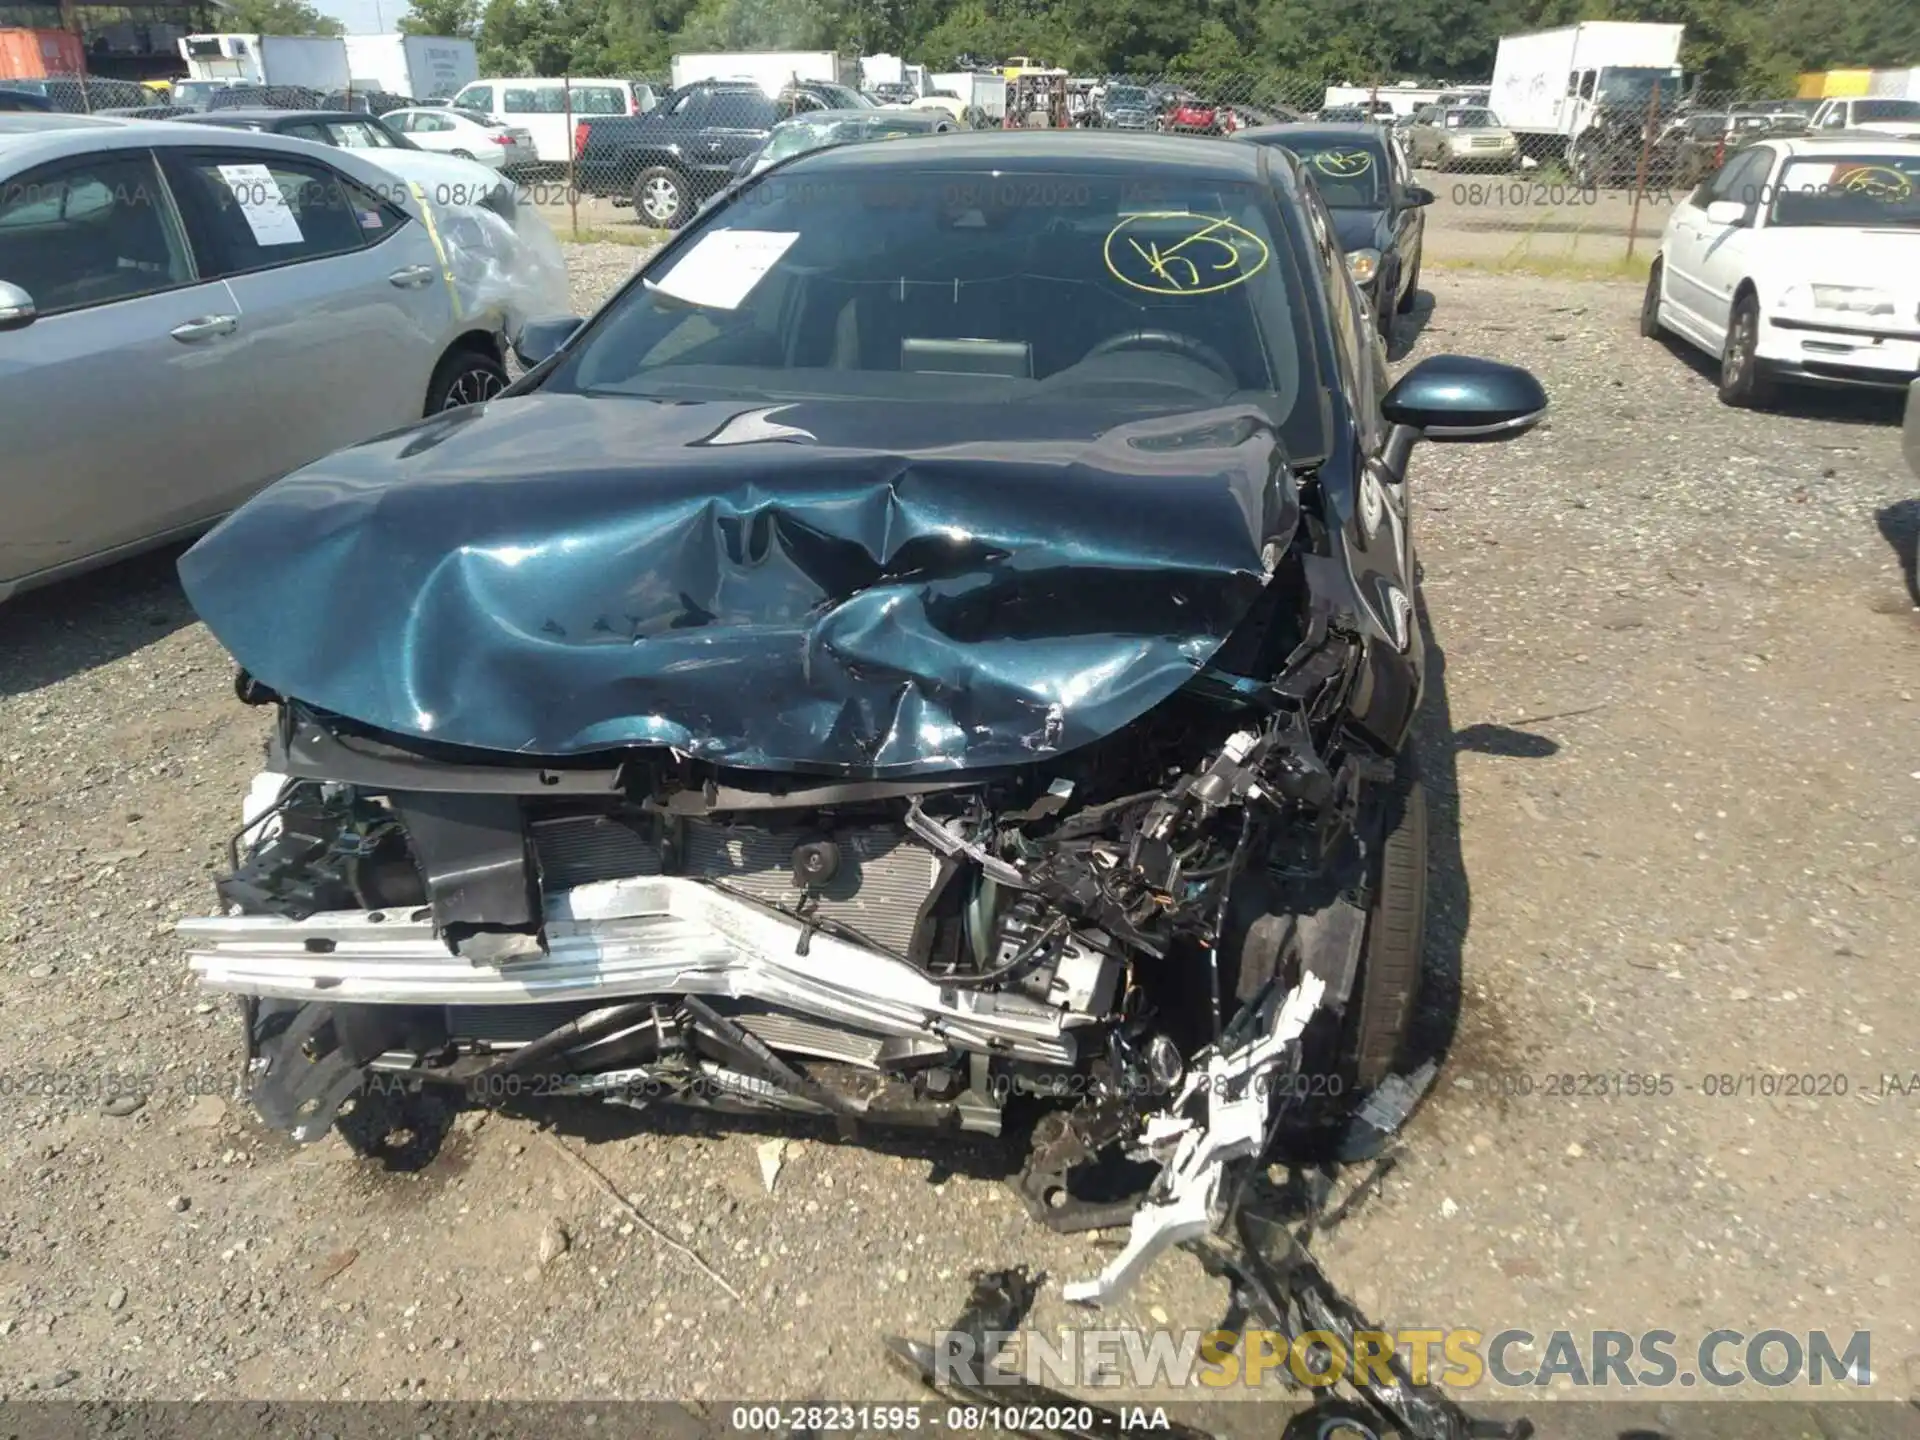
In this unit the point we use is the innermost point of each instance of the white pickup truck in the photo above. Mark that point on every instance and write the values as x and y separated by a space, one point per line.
1878 114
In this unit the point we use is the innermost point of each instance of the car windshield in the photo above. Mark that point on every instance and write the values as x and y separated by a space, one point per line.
1633 85
1867 192
1472 120
957 286
1866 111
792 137
843 97
1351 174
194 92
1130 95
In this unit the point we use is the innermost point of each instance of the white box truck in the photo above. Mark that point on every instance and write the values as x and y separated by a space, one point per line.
771 70
1582 92
980 90
425 67
318 62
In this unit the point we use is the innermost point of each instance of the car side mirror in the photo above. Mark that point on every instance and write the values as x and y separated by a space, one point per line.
540 338
16 307
1419 195
1726 212
1459 398
1910 431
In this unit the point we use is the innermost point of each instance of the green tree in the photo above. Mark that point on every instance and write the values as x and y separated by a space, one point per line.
755 25
459 18
279 17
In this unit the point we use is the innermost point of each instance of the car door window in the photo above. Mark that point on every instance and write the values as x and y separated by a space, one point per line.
1397 170
741 110
90 232
1742 179
359 135
475 97
307 130
252 211
526 100
598 100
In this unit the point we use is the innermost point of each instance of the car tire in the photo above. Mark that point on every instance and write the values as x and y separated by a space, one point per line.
1412 297
1650 304
662 198
1742 382
1585 166
1393 950
465 376
462 154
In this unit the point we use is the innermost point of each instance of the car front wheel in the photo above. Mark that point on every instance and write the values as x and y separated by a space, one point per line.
465 377
1742 382
1395 941
1650 304
660 198
1412 296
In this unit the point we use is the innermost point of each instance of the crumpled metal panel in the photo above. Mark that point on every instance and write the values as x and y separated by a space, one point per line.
855 586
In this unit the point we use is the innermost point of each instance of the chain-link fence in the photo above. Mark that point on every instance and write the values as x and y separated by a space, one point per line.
1570 167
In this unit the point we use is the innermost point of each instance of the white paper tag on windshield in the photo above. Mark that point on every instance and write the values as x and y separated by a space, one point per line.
258 195
724 266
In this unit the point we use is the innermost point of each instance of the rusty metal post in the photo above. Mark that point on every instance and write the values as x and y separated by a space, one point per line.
1640 180
573 155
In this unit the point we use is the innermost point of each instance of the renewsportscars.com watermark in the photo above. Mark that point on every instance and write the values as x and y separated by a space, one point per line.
1459 1359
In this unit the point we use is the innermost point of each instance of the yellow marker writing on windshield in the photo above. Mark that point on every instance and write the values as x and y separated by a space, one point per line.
1201 256
1879 182
1343 163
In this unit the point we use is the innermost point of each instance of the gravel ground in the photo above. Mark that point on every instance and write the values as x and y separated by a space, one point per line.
1672 751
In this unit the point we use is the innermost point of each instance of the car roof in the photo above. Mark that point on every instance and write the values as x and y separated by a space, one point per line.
1857 141
40 122
22 148
261 115
1194 157
1279 134
883 116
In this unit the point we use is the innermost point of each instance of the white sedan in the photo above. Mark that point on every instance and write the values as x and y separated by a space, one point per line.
1797 260
468 134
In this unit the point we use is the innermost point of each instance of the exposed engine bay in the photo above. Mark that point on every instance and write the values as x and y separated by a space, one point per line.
1044 787
1132 940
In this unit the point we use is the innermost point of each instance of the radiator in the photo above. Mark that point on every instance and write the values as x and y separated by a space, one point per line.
885 874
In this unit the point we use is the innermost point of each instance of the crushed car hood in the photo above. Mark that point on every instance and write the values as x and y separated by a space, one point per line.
840 586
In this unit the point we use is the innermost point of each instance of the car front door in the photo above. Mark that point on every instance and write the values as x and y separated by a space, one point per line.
478 98
1726 251
1409 221
114 392
344 305
1696 247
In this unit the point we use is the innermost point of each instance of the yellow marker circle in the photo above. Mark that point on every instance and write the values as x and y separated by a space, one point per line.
1879 182
1345 164
1207 254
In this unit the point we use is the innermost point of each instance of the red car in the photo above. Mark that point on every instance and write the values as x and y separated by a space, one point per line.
1191 116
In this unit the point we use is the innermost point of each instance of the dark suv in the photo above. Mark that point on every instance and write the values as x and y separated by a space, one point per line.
679 153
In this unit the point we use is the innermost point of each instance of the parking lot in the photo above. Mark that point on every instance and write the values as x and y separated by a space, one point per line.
1477 220
1671 743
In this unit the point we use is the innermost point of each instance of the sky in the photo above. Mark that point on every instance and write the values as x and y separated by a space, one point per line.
364 17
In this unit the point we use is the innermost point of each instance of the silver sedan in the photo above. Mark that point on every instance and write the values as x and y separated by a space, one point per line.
188 315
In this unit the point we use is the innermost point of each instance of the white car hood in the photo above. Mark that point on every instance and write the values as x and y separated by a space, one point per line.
1836 255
